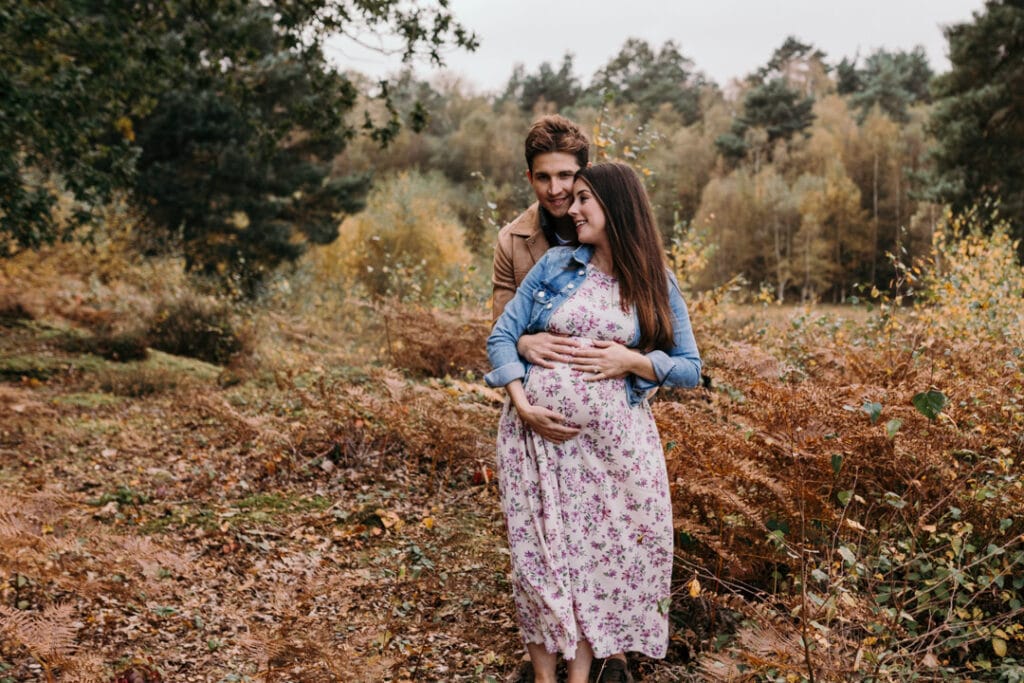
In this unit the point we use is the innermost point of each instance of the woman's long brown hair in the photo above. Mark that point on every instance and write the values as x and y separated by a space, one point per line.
638 258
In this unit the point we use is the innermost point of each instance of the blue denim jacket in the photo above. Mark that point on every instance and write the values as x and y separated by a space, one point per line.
549 284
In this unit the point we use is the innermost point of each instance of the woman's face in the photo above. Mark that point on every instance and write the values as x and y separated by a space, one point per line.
587 215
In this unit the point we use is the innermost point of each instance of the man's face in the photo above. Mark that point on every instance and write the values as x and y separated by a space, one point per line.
551 178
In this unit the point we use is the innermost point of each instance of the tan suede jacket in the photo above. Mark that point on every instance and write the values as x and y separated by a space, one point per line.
520 244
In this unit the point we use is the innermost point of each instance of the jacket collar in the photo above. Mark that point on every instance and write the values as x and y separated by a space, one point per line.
583 253
528 223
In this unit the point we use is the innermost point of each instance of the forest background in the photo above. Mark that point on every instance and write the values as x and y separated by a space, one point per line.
195 205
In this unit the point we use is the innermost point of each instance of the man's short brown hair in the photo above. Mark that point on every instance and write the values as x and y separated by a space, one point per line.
554 133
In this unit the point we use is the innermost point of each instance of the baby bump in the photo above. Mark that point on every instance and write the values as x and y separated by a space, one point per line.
565 391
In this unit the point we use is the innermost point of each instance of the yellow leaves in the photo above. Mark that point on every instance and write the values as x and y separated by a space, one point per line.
999 644
390 520
123 125
239 220
407 241
428 523
694 587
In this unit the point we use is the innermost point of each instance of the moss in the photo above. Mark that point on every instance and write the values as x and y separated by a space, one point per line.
29 367
275 502
87 399
183 365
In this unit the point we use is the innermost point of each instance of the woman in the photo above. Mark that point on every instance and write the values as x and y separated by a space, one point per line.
581 468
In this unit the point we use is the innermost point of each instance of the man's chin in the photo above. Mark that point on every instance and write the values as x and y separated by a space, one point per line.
560 211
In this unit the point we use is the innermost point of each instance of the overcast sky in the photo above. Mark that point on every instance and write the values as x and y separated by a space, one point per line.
725 38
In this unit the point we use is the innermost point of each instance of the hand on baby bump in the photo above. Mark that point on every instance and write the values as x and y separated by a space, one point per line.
548 424
546 349
603 359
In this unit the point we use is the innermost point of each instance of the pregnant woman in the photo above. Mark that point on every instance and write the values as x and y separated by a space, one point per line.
581 468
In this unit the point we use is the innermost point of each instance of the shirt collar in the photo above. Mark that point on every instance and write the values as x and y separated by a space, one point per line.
547 227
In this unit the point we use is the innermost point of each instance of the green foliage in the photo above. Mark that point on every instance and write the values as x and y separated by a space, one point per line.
778 109
944 589
70 82
929 403
240 161
892 81
640 76
231 108
978 118
560 88
791 51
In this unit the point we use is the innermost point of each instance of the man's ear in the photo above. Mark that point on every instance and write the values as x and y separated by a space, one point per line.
589 164
529 175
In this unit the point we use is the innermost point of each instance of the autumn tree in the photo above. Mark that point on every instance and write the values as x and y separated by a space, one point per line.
752 219
683 160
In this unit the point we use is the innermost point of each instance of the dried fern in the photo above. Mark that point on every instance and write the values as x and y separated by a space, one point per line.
49 636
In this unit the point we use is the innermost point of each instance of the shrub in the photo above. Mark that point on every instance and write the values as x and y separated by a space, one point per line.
405 244
435 342
197 327
971 279
12 309
137 382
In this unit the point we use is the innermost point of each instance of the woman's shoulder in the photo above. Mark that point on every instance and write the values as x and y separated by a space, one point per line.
557 256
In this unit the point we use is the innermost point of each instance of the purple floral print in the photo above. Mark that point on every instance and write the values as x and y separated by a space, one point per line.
589 521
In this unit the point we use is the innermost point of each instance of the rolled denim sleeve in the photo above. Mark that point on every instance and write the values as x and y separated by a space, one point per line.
506 364
681 366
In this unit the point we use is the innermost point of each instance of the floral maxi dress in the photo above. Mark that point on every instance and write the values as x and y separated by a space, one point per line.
589 521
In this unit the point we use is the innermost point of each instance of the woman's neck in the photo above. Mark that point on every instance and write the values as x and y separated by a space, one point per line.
602 260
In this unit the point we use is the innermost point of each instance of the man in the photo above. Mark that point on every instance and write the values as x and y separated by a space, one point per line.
555 149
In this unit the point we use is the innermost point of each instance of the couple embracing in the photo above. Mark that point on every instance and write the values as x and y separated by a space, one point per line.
588 322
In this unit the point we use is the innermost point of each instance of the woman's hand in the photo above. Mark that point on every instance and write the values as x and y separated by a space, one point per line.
545 349
611 360
547 424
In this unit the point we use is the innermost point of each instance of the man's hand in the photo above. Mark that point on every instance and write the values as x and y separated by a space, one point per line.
548 424
610 360
546 349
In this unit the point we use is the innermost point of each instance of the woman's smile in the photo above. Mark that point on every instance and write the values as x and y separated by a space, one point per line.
587 214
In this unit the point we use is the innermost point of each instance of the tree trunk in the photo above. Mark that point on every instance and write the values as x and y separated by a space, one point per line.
874 219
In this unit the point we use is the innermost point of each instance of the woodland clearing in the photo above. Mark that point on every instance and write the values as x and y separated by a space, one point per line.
847 492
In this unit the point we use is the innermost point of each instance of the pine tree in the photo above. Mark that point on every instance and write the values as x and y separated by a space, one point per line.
978 118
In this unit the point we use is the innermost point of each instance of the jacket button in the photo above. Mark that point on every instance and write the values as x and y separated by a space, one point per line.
569 286
540 294
548 306
581 271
